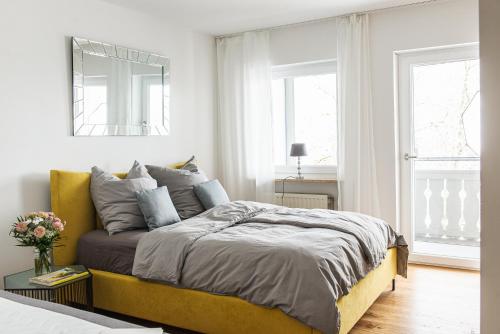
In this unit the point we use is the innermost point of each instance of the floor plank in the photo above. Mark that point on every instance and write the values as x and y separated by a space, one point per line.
432 300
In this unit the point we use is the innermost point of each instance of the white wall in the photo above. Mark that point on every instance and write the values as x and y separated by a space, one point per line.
35 101
490 165
304 42
420 26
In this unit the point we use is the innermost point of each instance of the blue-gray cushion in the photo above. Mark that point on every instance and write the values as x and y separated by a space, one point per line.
157 207
211 194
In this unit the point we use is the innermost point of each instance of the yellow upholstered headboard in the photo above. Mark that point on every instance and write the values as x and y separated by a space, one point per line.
71 201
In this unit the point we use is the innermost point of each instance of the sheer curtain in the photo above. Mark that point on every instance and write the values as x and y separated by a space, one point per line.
357 176
244 119
120 93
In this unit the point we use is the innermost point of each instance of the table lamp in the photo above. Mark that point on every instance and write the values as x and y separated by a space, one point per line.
298 150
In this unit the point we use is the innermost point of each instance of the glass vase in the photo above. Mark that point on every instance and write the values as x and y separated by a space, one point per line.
43 260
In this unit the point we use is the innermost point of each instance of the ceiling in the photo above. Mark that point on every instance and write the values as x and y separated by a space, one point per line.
219 17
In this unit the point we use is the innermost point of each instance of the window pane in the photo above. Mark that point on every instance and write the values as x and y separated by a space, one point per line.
279 122
316 118
95 99
155 104
446 109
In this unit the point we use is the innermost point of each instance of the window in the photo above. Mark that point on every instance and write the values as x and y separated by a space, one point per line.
446 108
304 111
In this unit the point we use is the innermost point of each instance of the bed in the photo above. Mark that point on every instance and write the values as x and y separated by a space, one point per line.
26 315
188 308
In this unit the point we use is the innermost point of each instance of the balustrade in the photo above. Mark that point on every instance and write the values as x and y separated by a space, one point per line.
447 206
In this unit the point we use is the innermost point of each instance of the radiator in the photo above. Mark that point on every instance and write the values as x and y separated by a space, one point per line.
306 201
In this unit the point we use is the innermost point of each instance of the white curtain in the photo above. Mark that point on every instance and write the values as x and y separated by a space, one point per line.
357 176
244 119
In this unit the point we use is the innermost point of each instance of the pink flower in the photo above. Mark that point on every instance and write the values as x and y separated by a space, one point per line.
22 227
43 214
58 225
39 231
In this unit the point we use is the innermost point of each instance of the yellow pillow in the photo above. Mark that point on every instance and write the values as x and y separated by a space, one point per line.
177 165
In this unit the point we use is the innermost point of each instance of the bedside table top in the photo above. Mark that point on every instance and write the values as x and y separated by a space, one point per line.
20 281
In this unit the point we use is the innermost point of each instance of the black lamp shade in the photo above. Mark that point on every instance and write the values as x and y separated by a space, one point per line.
298 150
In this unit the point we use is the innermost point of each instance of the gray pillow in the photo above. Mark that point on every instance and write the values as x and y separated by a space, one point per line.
137 171
190 165
211 194
115 199
157 207
180 185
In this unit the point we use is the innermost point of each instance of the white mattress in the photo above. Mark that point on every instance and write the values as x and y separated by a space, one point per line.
25 319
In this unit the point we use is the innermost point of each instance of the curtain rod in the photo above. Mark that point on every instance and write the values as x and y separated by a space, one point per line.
330 18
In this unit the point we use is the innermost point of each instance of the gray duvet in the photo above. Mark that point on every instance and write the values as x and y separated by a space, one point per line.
298 260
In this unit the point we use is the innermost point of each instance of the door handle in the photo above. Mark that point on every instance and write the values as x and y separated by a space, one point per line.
409 156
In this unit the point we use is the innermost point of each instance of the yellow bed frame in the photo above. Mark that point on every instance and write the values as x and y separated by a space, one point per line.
185 308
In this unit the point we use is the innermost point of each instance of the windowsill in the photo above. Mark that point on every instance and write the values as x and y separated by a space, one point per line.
307 180
311 174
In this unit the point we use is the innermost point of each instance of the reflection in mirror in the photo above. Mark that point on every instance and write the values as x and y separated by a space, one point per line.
119 91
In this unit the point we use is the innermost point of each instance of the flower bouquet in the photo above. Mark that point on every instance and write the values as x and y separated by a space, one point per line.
41 230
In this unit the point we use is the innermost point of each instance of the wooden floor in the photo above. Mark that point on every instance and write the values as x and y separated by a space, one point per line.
432 300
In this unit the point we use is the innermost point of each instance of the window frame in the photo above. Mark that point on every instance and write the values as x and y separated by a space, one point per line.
288 72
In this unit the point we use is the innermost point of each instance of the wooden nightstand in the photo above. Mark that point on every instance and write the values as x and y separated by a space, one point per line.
75 293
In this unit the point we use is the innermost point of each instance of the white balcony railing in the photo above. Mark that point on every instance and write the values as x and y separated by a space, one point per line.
447 207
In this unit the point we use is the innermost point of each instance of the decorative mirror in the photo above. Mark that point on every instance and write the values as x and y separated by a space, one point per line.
119 91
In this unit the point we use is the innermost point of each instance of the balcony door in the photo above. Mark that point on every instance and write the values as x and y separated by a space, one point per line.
438 100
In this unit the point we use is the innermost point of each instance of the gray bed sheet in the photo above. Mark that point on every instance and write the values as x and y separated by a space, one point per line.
114 253
63 309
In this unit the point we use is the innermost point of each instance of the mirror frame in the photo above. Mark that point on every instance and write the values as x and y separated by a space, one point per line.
81 46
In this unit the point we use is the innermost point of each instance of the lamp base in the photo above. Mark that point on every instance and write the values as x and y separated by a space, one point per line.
299 174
